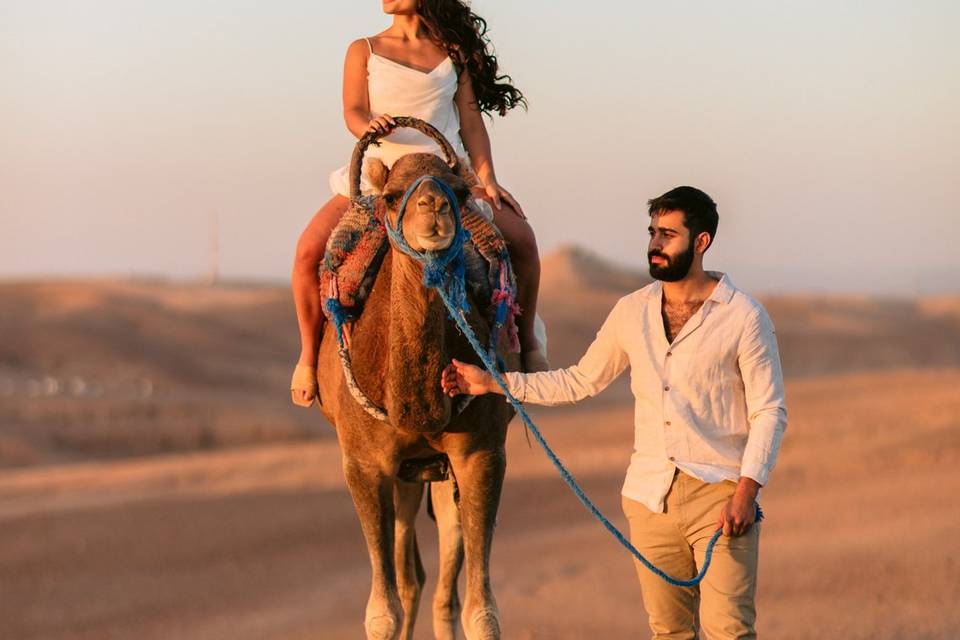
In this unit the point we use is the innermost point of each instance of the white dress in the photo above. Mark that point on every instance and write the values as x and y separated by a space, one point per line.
399 90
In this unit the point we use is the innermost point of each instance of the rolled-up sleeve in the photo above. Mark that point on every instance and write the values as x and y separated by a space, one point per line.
759 362
604 360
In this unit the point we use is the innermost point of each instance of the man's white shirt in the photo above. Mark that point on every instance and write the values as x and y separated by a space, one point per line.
711 403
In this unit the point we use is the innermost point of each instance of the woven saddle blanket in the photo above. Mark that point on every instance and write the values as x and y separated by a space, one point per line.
358 244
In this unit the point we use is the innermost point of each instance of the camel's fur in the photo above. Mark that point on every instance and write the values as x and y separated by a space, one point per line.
400 345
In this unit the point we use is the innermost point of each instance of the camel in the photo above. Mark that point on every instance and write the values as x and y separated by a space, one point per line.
399 346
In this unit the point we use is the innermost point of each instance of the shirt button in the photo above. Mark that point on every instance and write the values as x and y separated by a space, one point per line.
669 353
667 423
666 388
672 459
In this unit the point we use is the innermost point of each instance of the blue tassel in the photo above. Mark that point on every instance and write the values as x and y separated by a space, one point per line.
339 316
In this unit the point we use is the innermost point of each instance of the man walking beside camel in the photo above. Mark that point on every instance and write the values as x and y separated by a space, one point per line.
709 418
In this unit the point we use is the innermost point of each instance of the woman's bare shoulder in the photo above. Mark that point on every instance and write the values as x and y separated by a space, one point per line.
358 52
358 46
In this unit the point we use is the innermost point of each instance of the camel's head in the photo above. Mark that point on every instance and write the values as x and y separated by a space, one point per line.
428 220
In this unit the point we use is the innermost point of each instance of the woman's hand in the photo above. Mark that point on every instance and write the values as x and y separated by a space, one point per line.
381 124
498 194
460 377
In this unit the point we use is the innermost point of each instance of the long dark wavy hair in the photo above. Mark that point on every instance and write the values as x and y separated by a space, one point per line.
451 24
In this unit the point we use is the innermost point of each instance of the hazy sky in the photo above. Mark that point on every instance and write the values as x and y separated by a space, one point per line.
828 132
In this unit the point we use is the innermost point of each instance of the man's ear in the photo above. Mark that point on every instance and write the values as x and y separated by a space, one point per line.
377 173
703 242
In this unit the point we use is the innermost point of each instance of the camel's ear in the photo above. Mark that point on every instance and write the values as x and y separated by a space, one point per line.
377 173
465 173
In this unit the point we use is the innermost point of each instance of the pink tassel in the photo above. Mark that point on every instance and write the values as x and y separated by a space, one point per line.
512 331
510 324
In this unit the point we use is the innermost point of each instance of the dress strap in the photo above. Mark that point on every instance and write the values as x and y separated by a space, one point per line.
369 45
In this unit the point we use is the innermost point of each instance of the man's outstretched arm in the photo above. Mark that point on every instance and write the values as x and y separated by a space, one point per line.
603 361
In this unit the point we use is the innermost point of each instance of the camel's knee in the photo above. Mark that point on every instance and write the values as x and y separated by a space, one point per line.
446 607
446 621
446 600
409 593
482 623
384 616
411 586
383 627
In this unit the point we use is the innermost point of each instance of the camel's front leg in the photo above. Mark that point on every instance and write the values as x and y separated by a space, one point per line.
410 573
446 600
372 492
479 477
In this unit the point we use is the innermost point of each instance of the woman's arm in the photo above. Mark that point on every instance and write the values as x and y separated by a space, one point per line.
477 142
356 102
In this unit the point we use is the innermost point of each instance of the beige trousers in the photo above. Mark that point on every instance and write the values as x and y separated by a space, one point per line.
722 606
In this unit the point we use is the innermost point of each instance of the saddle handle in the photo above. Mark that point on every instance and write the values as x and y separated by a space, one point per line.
372 137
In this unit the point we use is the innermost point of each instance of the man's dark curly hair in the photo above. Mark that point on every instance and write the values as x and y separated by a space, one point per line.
699 209
451 24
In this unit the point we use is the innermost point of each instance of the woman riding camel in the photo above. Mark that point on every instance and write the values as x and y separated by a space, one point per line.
432 63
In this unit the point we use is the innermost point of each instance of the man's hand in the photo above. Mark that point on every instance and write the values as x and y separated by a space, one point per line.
460 377
740 511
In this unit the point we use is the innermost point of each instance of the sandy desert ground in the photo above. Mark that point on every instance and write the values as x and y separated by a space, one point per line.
174 493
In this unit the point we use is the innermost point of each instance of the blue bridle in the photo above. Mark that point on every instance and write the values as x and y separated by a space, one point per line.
435 263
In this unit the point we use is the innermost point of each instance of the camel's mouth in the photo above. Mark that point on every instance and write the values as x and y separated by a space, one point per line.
433 219
435 241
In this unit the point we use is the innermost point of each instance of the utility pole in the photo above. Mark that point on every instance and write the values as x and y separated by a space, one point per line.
213 276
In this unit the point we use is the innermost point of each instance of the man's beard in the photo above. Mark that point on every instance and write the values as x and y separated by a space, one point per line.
676 267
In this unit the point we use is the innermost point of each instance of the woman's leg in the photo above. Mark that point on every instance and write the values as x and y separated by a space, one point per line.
307 298
525 257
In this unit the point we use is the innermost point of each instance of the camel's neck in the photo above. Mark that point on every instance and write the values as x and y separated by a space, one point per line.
417 351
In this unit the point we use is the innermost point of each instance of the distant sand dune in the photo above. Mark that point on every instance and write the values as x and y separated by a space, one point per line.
147 367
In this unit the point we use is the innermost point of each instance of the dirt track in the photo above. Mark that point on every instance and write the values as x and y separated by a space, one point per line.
860 540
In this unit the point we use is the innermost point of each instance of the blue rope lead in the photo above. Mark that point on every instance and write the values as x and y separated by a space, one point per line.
455 306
